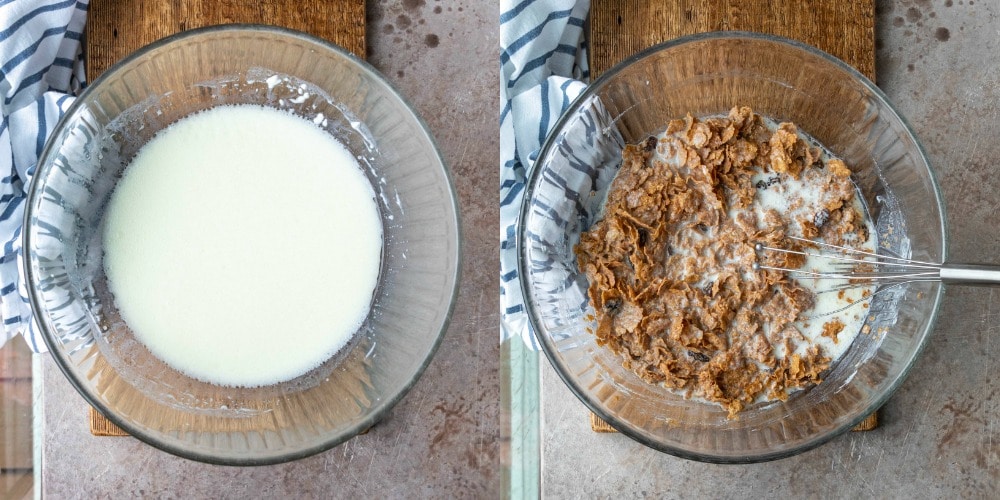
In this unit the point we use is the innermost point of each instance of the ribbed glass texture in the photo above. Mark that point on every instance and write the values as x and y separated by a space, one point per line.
156 86
708 75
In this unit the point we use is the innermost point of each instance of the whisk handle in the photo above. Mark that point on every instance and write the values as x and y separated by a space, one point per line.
971 274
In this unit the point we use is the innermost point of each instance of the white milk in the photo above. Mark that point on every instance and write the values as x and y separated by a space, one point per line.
243 245
830 305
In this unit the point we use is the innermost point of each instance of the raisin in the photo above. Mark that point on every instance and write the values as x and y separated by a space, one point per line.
650 144
699 356
707 289
762 184
821 217
612 305
643 237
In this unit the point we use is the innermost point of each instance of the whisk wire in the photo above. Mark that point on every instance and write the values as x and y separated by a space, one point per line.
855 268
858 251
844 259
877 272
880 290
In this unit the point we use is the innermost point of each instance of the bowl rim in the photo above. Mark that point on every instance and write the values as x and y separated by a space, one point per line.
549 348
385 404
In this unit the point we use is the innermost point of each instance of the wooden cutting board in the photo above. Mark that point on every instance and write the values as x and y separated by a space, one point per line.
620 28
116 28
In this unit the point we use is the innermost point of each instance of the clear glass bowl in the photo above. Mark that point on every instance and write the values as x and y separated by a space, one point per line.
85 157
707 75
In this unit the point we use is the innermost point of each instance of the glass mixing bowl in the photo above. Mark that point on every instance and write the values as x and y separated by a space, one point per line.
85 157
707 75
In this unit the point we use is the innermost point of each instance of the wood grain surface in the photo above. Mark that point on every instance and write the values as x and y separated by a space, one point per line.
101 426
116 28
621 28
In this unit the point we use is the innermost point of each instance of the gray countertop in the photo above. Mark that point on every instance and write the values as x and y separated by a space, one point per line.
442 439
939 62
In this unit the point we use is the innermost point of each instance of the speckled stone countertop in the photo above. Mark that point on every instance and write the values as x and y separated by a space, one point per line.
939 62
441 440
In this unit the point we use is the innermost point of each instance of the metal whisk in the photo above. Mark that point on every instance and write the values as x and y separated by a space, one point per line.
863 268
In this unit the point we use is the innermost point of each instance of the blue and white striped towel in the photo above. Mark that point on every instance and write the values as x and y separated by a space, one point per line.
41 68
543 67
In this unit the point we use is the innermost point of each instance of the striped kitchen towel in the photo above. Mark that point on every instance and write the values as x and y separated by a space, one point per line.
41 69
543 67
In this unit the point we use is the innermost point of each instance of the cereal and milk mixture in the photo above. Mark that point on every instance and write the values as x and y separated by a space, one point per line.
670 264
